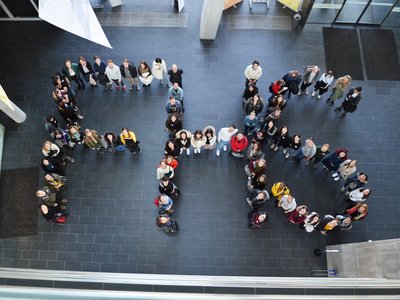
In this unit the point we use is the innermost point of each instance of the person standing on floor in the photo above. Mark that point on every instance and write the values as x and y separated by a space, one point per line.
307 152
173 124
322 85
164 170
257 183
319 154
249 92
55 182
254 152
292 80
294 145
159 70
128 138
281 139
198 140
224 137
71 71
299 215
311 222
255 168
250 122
99 67
183 138
51 150
49 198
351 101
93 140
359 195
341 84
327 224
210 136
256 218
346 169
357 211
277 88
172 148
128 71
332 161
287 203
87 71
175 75
167 187
310 76
50 165
354 182
176 92
253 73
255 104
238 145
144 73
257 199
174 106
114 75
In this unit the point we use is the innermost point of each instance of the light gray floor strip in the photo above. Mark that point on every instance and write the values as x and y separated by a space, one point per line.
259 22
142 19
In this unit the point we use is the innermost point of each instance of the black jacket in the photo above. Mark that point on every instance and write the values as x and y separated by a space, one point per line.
131 68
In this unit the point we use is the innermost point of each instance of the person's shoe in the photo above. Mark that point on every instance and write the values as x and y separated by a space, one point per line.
64 200
331 102
342 189
225 148
80 117
139 150
328 100
117 87
284 151
131 88
276 148
319 97
299 93
181 151
272 146
198 151
195 151
188 151
124 88
287 155
218 152
306 92
335 175
313 94
70 158
138 87
337 109
325 169
336 178
161 82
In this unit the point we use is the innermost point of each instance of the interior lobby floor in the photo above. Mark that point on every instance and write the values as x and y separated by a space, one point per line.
111 227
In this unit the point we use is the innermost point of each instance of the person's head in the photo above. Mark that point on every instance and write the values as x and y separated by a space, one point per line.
363 177
366 193
165 180
169 159
277 113
333 223
240 136
294 73
310 142
358 89
68 63
172 100
171 144
40 193
51 119
325 147
262 178
262 216
82 60
346 221
47 145
347 79
302 210
110 63
48 177
261 162
176 86
290 199
255 64
97 59
124 131
174 68
363 208
163 165
260 134
270 124
284 130
279 99
251 87
297 138
198 134
73 129
183 135
329 73
58 134
252 115
143 64
158 60
281 82
342 154
315 69
232 128
257 146
209 133
315 219
125 62
173 118
44 209
163 199
45 161
261 195
256 97
109 136
353 163
88 132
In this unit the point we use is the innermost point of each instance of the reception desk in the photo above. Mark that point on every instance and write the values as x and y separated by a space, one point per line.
230 3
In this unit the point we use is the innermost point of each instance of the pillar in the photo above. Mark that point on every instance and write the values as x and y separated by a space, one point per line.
10 109
210 18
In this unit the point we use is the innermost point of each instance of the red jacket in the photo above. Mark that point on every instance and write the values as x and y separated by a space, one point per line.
296 218
238 146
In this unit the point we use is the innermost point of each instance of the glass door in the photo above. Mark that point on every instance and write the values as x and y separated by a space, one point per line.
352 11
377 11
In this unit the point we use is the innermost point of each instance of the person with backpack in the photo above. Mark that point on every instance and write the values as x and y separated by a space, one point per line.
167 187
167 223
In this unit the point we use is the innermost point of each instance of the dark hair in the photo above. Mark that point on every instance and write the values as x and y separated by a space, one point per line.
198 131
124 128
209 130
96 57
82 58
57 131
67 60
369 194
233 126
263 176
158 60
164 178
256 62
171 97
358 88
365 174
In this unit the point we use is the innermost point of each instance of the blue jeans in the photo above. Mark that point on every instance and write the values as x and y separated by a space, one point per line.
221 144
299 156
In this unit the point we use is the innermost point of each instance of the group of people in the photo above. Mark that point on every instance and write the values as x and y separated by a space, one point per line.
58 150
261 131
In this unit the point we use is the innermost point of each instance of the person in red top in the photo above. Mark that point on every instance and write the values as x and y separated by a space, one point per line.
277 88
357 212
171 161
298 215
238 144
257 218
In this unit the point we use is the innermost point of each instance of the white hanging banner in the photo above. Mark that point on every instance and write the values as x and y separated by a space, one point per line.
181 4
75 16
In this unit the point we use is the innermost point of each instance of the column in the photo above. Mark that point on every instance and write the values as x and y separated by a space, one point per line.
10 109
210 18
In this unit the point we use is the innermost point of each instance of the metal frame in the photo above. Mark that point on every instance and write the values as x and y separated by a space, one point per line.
11 17
357 22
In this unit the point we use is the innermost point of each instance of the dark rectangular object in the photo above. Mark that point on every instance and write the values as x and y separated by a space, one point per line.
380 54
18 205
342 52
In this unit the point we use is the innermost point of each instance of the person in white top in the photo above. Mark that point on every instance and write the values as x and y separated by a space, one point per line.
224 137
159 69
322 85
253 72
288 203
114 75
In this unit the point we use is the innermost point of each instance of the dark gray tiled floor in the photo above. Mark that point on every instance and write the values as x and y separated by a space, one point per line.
111 227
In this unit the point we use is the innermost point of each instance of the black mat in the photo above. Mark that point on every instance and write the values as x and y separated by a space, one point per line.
381 62
18 204
342 52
